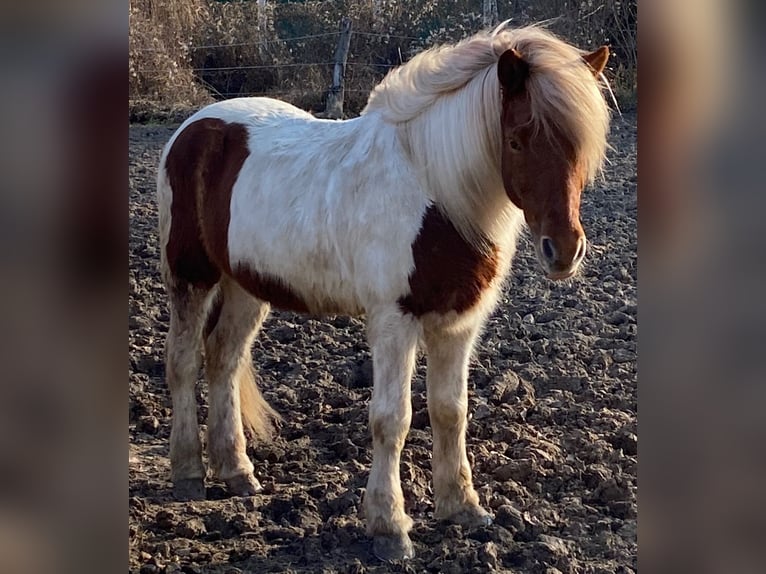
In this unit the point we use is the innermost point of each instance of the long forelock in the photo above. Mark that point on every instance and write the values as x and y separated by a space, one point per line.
564 97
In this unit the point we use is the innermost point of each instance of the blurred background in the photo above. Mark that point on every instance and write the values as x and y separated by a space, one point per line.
702 381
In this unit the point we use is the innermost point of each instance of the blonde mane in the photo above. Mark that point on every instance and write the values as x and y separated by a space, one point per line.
457 88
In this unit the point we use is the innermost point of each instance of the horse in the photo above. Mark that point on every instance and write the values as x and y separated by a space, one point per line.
408 214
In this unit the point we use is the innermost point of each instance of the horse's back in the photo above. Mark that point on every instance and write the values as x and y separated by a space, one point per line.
250 113
247 111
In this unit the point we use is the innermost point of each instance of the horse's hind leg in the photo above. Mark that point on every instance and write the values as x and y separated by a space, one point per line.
447 386
233 394
188 310
393 339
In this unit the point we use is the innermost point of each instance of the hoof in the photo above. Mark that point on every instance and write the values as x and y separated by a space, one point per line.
189 489
243 485
471 517
393 547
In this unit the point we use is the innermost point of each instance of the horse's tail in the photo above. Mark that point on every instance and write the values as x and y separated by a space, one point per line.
258 418
164 201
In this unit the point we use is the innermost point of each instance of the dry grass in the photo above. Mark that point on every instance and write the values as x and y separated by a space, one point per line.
168 76
159 62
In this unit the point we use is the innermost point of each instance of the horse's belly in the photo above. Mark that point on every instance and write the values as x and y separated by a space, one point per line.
299 285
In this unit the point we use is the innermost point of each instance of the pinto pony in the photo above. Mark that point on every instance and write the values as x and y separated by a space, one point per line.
408 214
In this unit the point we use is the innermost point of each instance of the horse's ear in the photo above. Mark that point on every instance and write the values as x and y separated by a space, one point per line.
597 60
512 71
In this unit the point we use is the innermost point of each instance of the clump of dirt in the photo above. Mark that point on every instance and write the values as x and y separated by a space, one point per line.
552 431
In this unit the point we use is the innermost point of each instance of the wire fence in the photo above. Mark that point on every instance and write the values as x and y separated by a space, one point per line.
265 43
272 66
217 67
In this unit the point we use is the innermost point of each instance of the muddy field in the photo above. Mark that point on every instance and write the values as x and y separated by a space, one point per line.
552 431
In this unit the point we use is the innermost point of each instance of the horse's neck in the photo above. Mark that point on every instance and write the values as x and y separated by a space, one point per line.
459 164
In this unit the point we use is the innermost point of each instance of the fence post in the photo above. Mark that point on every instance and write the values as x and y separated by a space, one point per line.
334 108
489 12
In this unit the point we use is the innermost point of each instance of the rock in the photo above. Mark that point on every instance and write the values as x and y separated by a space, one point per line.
509 517
284 333
540 347
504 472
363 378
595 475
345 501
623 356
191 528
520 351
503 389
482 533
482 412
553 545
618 318
622 509
151 365
518 470
497 500
548 316
148 424
165 520
162 549
269 452
488 554
420 419
628 530
611 491
568 383
502 536
505 435
626 441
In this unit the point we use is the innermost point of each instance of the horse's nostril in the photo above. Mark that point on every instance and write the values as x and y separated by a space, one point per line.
548 250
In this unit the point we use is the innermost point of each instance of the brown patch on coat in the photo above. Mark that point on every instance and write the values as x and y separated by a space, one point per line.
450 274
203 166
270 289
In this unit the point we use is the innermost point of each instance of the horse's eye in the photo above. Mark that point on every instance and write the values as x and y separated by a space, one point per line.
514 144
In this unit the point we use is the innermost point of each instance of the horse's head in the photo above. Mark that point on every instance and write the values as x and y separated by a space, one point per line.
542 172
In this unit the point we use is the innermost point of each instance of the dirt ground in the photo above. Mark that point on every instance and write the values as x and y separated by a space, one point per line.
552 431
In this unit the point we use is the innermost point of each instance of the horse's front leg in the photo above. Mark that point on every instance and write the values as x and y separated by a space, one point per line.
447 386
393 339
